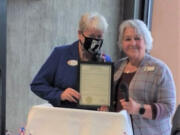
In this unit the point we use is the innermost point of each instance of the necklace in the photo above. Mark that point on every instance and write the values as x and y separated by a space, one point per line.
127 72
130 69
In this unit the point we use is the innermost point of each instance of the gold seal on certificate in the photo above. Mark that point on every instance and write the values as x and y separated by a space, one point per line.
95 83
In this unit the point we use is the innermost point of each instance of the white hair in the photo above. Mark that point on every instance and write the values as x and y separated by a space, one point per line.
140 28
92 20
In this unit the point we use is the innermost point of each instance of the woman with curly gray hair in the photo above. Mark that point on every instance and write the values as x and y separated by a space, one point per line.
148 80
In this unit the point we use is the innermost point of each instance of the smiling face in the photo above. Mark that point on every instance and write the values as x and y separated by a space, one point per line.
133 44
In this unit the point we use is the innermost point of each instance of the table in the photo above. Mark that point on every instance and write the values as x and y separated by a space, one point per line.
43 120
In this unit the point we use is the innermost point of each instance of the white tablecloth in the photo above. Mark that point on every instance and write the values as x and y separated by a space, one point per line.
60 121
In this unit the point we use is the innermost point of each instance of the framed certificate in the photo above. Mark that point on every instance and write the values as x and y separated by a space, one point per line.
95 83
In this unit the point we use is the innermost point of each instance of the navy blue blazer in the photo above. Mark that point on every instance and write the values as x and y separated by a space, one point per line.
56 75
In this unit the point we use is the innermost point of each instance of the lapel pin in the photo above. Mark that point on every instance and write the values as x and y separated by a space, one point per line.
149 68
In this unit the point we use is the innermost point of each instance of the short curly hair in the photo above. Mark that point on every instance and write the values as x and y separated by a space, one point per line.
92 20
140 28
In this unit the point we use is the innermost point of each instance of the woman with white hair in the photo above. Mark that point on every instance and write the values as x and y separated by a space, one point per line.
56 81
146 80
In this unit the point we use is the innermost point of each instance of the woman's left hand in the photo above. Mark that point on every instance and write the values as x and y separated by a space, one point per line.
131 106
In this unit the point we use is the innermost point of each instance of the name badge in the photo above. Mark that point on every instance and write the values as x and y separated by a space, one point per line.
72 62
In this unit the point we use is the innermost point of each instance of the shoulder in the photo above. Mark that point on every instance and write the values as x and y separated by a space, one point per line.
157 63
64 48
159 68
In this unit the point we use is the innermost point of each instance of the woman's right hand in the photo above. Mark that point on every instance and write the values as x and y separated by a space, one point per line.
131 106
70 94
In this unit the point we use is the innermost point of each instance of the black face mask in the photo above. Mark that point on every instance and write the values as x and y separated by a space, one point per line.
92 45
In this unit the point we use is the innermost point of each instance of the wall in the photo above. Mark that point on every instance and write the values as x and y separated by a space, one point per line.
166 34
34 27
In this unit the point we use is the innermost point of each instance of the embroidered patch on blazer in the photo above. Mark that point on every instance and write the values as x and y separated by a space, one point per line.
72 62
